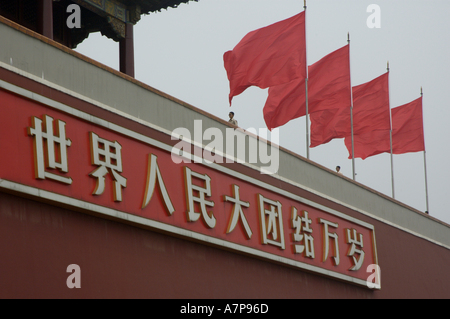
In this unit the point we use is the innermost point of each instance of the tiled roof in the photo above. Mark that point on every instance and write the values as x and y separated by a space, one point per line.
148 6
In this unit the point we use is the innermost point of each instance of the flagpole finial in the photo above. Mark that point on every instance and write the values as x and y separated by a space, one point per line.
348 37
421 92
387 68
304 4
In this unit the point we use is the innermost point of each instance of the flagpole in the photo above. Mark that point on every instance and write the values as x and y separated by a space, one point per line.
306 91
351 112
390 137
424 159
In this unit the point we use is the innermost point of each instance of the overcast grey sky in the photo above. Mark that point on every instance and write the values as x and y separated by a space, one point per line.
180 52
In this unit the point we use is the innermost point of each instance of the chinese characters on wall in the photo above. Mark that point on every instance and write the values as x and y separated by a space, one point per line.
300 233
84 161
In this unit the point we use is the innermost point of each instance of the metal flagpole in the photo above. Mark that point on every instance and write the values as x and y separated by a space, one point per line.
351 112
424 158
306 90
390 137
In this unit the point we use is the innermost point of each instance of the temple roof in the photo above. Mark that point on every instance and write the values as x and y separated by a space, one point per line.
109 17
148 6
114 14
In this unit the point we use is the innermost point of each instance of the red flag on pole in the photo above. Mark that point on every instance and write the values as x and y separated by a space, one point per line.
407 134
269 56
328 88
371 106
284 103
370 113
407 128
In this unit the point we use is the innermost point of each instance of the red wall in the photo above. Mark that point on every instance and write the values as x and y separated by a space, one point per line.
38 241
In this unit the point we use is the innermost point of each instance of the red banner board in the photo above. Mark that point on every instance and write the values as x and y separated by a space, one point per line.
57 153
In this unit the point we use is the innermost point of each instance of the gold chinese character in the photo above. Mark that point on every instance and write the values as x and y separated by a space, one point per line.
153 175
54 142
353 250
237 212
308 240
202 192
271 222
107 155
326 237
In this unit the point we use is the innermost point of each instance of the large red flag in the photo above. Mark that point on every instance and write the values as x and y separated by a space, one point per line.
407 134
328 88
269 56
371 110
370 113
407 128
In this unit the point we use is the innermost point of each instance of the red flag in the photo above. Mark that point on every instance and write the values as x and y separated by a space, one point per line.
369 144
284 103
269 56
407 134
329 124
407 128
328 88
370 113
371 106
